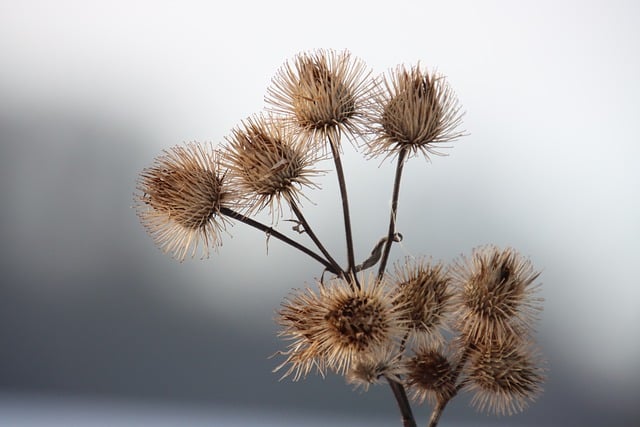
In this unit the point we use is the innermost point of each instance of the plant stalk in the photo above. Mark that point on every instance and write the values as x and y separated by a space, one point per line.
345 210
312 235
403 403
272 232
394 210
437 412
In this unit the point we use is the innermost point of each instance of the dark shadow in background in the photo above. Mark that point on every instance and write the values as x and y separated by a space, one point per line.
79 314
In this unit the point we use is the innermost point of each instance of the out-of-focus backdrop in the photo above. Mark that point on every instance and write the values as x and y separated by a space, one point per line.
98 327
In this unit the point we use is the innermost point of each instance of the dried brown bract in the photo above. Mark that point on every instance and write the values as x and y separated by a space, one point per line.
324 93
342 324
430 375
270 163
422 288
496 294
504 376
179 200
415 110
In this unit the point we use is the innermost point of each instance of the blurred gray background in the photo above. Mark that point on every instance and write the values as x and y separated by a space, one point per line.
98 327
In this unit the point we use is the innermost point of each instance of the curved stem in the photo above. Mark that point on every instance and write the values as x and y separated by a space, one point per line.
437 412
272 232
345 209
403 403
312 235
394 210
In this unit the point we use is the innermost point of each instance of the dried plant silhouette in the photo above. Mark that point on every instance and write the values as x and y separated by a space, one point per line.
427 329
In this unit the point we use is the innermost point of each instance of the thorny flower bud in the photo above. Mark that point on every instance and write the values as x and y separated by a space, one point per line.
180 197
323 92
422 288
338 325
430 375
270 163
495 294
504 376
414 110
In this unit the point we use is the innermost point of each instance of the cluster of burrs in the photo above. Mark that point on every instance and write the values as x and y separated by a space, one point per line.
432 329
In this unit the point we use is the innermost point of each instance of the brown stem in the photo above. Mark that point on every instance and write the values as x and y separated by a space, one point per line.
394 210
312 235
437 412
272 232
403 403
345 210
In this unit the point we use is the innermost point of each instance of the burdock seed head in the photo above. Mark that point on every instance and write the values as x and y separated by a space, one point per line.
179 199
430 375
415 110
269 163
504 376
423 289
324 93
495 294
339 325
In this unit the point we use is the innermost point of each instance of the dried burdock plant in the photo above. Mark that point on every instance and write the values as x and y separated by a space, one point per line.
432 329
423 289
179 199
504 376
270 163
415 110
496 294
323 93
430 375
342 323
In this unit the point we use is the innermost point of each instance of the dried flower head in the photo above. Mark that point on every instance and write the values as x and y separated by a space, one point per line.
324 92
338 325
495 294
180 197
423 289
415 110
430 375
504 376
301 318
371 368
270 163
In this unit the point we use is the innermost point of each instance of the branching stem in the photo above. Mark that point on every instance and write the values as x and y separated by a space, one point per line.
272 232
312 235
403 403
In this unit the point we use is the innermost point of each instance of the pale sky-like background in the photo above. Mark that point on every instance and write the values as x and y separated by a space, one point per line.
91 92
